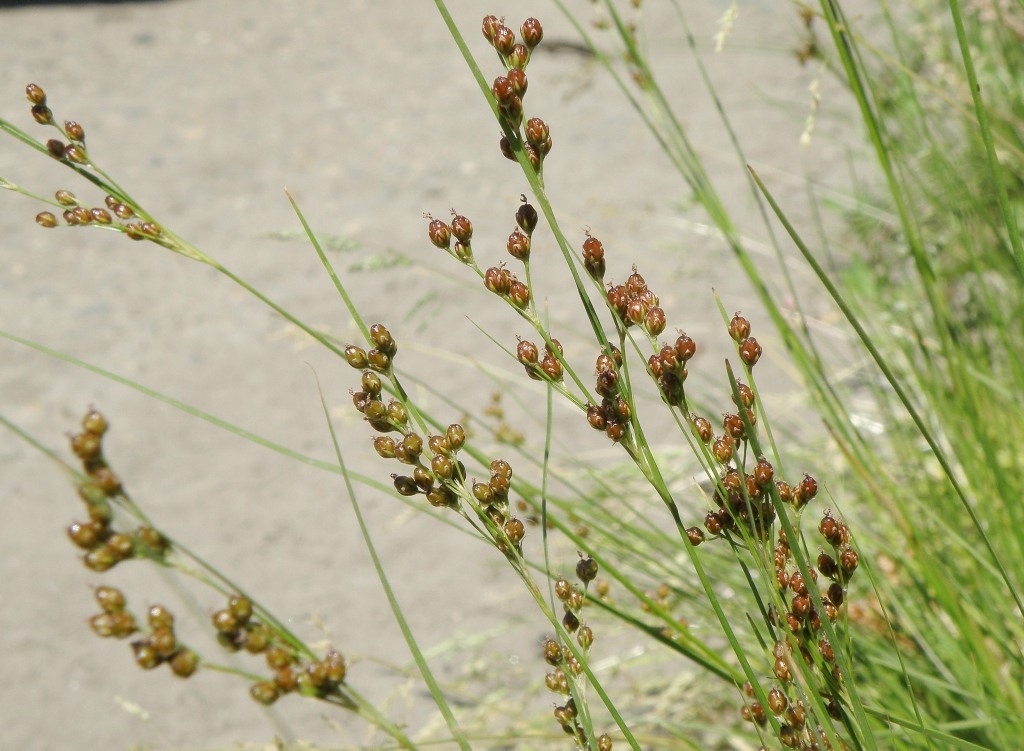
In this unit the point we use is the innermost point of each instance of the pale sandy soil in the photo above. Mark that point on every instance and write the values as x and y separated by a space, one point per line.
206 110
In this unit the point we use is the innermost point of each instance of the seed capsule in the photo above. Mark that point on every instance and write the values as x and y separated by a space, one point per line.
504 40
356 357
695 535
184 663
36 95
264 692
74 131
537 132
145 656
532 32
490 27
750 351
46 219
586 569
439 233
848 561
655 321
42 114
552 652
526 218
739 328
518 245
110 599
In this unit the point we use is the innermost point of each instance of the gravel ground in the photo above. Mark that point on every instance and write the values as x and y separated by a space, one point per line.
206 112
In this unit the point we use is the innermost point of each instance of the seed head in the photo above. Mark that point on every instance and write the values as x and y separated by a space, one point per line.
518 245
526 217
439 233
504 40
750 351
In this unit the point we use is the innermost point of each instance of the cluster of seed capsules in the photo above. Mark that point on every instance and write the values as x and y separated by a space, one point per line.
498 279
509 89
116 214
237 630
159 646
441 478
566 667
104 545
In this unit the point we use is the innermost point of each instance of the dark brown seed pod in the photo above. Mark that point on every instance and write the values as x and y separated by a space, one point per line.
750 351
746 395
702 428
42 114
86 535
836 594
552 652
713 523
808 488
517 76
586 570
604 742
371 383
615 430
830 529
506 149
848 561
562 589
532 32
777 701
570 621
585 637
122 546
241 608
405 485
695 535
593 261
257 639
439 233
397 414
526 217
159 617
763 471
827 565
686 348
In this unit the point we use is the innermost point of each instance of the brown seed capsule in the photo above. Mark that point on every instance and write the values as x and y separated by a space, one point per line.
808 488
145 656
722 449
184 663
570 621
830 529
461 228
504 40
734 426
713 523
777 701
506 149
763 471
383 340
836 594
397 414
159 617
739 328
526 217
552 652
551 367
695 535
240 607
356 357
42 114
46 219
490 27
264 692
36 95
110 599
518 245
503 90
848 561
514 530
537 132
781 670
439 233
100 216
532 32
750 351
122 546
384 446
257 639
123 211
586 570
456 436
593 261
604 742
655 321
163 642
518 59
225 621
74 131
379 361
55 147
75 154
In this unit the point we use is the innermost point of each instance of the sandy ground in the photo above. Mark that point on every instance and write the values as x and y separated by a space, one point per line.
205 112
